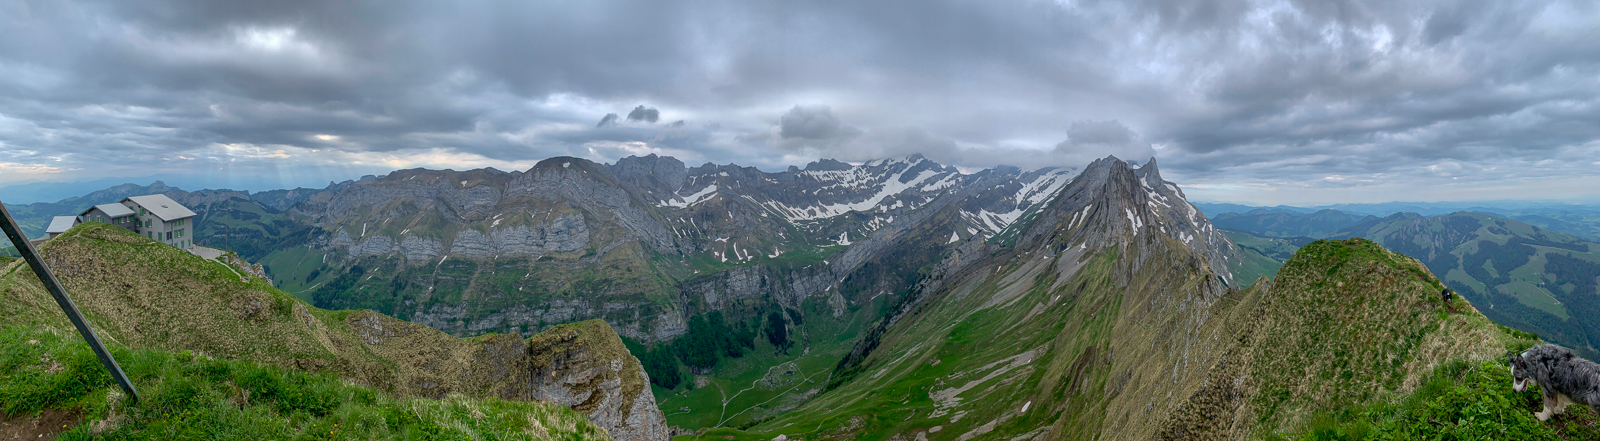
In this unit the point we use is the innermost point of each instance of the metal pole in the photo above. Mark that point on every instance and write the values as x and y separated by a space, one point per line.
54 286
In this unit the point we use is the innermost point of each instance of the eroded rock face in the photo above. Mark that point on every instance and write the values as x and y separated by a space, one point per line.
581 365
584 365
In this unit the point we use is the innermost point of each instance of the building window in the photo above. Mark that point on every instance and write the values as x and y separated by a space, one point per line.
180 233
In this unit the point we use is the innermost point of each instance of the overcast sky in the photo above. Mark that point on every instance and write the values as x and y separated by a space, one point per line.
1296 102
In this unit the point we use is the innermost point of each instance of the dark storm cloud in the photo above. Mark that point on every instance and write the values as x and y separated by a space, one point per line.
609 120
646 114
1251 91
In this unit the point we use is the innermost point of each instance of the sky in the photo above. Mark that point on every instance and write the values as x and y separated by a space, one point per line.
1264 102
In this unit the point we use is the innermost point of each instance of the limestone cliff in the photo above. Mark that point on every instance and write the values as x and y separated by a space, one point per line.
585 365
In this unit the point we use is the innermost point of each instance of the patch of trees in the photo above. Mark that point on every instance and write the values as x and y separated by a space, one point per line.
1571 269
1541 241
1504 257
662 367
1578 332
254 244
777 330
331 295
710 339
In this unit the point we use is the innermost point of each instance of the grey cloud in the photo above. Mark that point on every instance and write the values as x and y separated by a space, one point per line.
1222 90
815 122
646 114
609 120
1088 139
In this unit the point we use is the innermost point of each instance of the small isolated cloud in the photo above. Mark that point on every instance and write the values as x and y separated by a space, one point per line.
646 114
609 120
813 123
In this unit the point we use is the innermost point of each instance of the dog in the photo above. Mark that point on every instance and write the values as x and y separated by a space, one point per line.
1565 378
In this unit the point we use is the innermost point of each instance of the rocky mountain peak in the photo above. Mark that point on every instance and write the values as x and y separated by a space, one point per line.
1113 204
651 173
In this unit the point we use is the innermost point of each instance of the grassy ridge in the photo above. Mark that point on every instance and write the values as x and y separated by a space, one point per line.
145 295
1350 341
1460 400
193 397
1357 344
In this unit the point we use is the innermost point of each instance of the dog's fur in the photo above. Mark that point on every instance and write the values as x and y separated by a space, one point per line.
1565 378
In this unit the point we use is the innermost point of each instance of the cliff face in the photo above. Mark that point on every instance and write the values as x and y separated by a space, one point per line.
142 294
644 243
585 366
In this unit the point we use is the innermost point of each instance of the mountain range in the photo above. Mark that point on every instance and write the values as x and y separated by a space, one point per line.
905 299
1578 220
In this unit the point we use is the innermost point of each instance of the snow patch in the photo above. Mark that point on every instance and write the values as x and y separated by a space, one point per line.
1134 221
854 178
844 238
954 236
703 195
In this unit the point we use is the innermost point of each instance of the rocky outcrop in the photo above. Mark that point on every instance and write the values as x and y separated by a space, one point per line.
586 366
645 321
581 365
251 269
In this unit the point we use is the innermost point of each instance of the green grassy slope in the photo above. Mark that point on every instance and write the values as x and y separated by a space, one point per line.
145 295
1033 344
767 382
1504 266
187 396
1261 256
1354 343
1349 341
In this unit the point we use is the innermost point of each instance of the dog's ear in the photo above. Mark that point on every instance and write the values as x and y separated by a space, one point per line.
1511 357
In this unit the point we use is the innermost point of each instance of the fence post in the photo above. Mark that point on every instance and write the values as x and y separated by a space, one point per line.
56 290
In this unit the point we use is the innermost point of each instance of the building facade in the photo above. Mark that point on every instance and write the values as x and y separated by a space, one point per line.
114 214
160 218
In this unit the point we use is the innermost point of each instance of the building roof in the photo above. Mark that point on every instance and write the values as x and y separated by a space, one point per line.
61 224
113 210
162 206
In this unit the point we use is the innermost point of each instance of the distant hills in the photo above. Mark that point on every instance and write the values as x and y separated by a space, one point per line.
1270 223
1520 275
1578 220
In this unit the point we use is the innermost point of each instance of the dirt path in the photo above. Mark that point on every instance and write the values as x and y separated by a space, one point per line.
805 381
45 427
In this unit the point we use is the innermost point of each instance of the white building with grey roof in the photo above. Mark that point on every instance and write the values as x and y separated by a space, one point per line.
60 224
160 218
114 214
